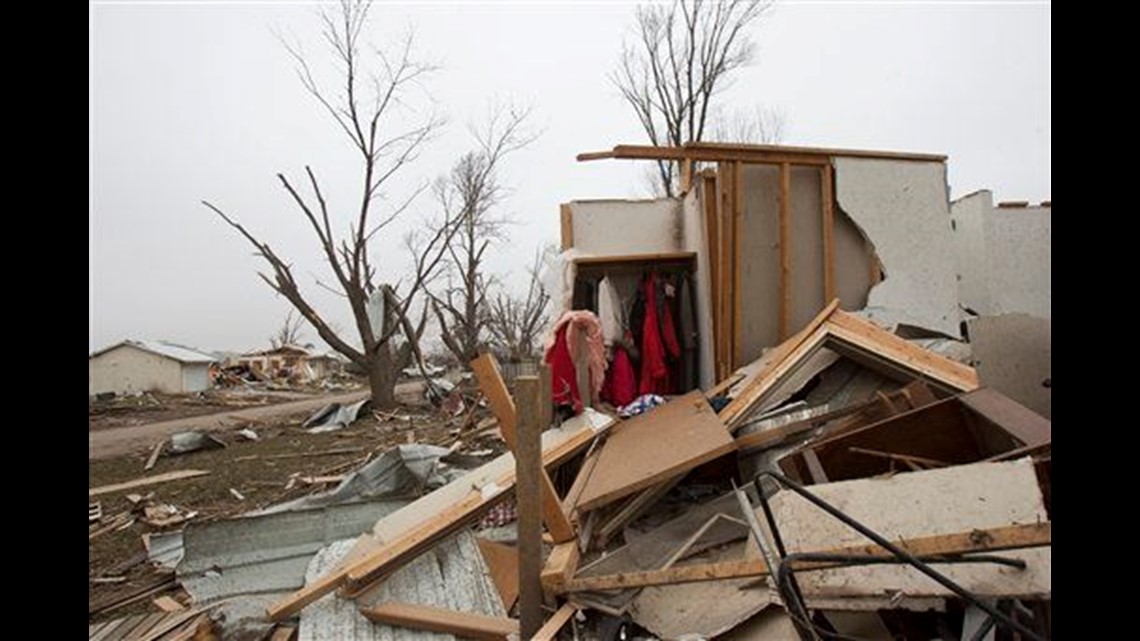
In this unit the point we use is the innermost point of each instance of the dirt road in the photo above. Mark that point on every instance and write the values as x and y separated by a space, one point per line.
118 441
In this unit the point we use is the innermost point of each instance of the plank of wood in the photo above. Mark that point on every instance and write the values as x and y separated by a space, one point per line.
876 340
785 250
401 536
141 630
332 452
491 382
528 497
651 257
146 480
549 630
655 446
567 218
738 263
828 206
633 508
560 565
750 153
137 594
154 455
167 604
461 624
905 458
570 502
686 175
712 248
284 633
785 355
1032 535
503 562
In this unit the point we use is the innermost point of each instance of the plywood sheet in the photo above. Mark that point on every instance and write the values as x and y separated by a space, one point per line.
503 562
917 504
655 446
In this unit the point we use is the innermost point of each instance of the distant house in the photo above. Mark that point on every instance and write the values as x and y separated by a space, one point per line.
290 361
134 366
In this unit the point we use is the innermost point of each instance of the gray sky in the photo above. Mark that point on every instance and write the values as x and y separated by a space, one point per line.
199 101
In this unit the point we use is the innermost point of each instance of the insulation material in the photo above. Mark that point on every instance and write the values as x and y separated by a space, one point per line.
651 226
694 240
902 207
1013 354
917 504
452 575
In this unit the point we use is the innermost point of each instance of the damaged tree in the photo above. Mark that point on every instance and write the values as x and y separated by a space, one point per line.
514 323
289 333
684 53
380 312
468 196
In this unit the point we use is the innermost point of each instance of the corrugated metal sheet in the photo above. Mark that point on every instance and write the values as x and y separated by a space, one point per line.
452 575
267 554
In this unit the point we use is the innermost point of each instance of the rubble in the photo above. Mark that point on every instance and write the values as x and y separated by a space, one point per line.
816 459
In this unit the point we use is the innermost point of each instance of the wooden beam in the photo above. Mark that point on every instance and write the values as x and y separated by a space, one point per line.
560 566
989 540
550 629
686 175
432 619
567 226
724 253
827 200
177 475
788 353
872 338
491 382
657 257
709 199
528 470
785 250
570 503
760 154
154 455
737 261
284 633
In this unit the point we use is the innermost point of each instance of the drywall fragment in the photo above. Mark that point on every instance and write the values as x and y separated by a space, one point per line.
903 209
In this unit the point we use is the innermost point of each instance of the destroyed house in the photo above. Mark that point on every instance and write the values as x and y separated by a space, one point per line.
819 457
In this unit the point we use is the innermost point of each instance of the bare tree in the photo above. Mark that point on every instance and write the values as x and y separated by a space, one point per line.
684 54
515 323
759 126
289 333
364 107
469 194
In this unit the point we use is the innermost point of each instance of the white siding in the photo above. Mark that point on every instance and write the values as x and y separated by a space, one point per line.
130 369
195 377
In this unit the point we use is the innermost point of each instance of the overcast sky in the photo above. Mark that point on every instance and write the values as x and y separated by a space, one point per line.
193 101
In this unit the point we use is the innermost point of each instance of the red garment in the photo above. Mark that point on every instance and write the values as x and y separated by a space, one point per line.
621 382
668 333
563 376
654 372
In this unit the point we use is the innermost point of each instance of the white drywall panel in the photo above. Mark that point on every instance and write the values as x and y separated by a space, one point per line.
617 227
903 209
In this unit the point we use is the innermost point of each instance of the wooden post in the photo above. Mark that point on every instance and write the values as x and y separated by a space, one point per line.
528 470
737 260
567 226
785 250
827 199
686 175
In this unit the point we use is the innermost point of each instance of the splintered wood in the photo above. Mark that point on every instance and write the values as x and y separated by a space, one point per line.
656 446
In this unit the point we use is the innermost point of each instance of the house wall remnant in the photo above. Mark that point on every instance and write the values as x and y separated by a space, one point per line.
694 240
902 207
126 369
1013 354
617 227
1004 256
